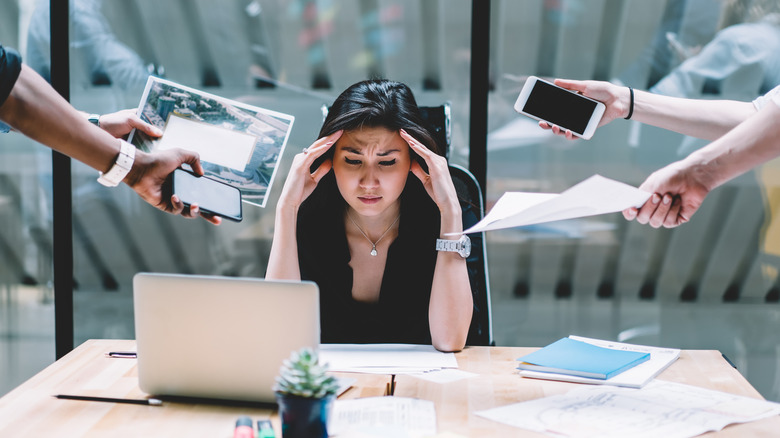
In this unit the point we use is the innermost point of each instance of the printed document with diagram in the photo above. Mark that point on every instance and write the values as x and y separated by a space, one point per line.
238 144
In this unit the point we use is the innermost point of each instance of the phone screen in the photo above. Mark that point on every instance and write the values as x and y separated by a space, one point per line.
559 107
211 196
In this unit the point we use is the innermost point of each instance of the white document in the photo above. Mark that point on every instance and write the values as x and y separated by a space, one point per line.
446 375
636 377
596 195
221 146
385 358
660 409
383 416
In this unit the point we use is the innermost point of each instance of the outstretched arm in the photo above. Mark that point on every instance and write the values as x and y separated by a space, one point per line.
36 110
451 305
706 119
680 187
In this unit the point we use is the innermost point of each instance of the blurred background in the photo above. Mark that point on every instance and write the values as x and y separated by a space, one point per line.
710 284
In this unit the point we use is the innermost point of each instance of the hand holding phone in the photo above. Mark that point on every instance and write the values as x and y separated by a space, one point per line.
547 102
212 196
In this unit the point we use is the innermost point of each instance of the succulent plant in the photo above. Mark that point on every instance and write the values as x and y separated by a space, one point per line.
301 375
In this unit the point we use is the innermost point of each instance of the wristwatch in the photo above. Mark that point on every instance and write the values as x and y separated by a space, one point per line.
121 167
462 246
94 119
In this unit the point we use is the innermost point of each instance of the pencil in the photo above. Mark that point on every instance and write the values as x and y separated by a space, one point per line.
135 401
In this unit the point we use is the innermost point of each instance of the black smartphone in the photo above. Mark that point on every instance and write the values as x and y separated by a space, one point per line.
542 100
212 196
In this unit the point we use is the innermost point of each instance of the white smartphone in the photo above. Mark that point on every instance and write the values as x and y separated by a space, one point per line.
212 196
542 100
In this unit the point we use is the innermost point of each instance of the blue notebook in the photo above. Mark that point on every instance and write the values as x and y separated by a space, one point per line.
576 358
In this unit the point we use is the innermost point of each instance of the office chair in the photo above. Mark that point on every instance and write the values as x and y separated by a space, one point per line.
472 205
470 194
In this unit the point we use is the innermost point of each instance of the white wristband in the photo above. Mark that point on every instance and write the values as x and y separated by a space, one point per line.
121 167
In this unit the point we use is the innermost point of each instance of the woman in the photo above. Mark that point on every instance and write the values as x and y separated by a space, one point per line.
366 232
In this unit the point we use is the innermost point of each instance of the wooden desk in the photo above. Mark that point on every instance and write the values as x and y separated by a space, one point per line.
31 411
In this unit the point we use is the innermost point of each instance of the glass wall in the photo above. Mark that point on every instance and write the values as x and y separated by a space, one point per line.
709 284
290 56
26 296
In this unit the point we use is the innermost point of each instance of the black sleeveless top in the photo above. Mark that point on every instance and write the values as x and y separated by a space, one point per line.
400 315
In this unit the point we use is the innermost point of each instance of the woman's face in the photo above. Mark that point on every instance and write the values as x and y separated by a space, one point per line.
371 166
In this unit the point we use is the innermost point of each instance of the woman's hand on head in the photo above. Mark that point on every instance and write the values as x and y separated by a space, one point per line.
301 182
437 181
609 94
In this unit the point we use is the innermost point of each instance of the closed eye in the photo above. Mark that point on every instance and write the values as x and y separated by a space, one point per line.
352 162
387 163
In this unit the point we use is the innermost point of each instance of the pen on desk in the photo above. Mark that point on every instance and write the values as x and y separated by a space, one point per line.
122 354
135 401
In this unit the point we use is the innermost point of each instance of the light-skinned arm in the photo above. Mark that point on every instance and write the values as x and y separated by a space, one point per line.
451 304
705 119
685 183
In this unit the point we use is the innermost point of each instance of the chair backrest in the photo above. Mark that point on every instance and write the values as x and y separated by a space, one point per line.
470 194
438 119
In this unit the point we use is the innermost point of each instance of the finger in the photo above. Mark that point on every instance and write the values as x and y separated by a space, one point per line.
630 213
416 146
570 85
418 171
545 125
151 130
569 134
322 170
176 205
216 220
191 158
322 145
648 209
673 218
556 130
660 214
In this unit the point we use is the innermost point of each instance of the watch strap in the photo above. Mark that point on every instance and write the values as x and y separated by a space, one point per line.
462 246
121 167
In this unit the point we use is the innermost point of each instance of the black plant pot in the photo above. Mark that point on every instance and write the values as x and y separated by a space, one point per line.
304 417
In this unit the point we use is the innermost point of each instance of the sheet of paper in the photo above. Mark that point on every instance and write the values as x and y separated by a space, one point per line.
596 195
637 377
446 375
667 409
383 416
385 358
221 146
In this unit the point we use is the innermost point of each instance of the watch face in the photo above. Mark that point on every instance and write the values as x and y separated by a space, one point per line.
465 250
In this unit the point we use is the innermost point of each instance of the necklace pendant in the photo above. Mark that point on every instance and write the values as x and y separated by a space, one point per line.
373 251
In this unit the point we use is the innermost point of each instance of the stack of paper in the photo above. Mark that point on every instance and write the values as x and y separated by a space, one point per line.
636 377
577 358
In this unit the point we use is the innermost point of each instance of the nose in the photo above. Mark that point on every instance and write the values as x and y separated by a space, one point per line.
368 178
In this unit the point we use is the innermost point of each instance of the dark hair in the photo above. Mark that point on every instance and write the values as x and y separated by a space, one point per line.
378 103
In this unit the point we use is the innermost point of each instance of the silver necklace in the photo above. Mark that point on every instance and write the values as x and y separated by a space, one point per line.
373 244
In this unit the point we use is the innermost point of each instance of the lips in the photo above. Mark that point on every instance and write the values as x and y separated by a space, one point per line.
369 199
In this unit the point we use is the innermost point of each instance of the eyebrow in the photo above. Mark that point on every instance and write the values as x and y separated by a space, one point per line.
360 152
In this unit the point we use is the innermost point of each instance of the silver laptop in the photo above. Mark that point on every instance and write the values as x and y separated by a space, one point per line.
219 337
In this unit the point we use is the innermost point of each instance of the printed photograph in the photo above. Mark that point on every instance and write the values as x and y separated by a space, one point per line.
238 143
